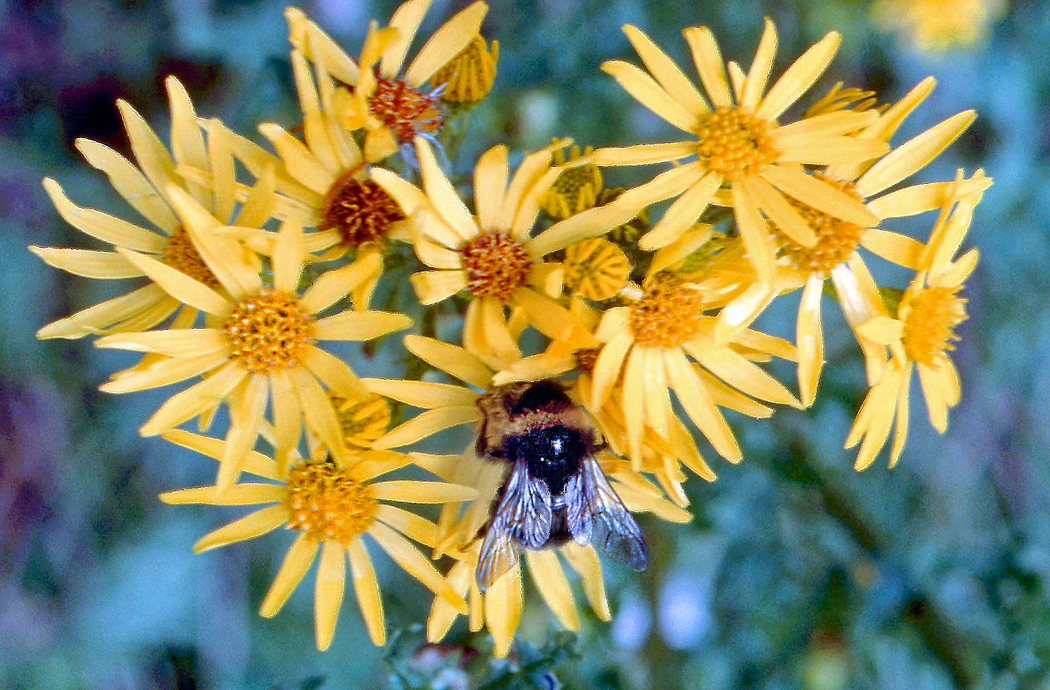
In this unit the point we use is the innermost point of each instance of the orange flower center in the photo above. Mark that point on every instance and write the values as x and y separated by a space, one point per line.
669 314
734 143
267 332
496 265
363 421
930 318
836 238
327 504
180 254
360 210
403 110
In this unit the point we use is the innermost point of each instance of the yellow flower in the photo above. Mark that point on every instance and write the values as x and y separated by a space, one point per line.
840 97
363 418
392 105
492 255
939 25
331 507
921 335
595 269
468 77
575 190
500 607
646 352
145 187
836 253
259 346
736 142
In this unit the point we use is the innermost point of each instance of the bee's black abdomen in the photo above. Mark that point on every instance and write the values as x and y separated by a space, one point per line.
553 453
541 395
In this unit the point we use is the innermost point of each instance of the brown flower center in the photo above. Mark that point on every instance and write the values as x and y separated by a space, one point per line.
669 314
360 210
180 254
327 504
734 143
930 319
403 110
267 332
836 238
587 358
363 421
496 265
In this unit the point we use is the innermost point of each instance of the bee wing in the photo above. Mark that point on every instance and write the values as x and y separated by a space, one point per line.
598 516
522 519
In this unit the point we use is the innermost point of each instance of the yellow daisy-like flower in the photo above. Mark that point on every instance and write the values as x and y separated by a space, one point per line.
145 187
468 77
736 142
492 255
391 104
261 347
835 254
331 507
921 335
363 418
939 25
575 190
649 348
595 269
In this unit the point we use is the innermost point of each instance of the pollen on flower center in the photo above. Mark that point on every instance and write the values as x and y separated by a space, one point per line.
180 254
734 142
327 504
496 265
360 210
836 238
669 313
930 319
404 110
267 332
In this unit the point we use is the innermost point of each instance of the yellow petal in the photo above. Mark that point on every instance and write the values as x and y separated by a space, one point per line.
442 194
550 580
302 165
434 286
194 400
503 602
180 342
758 75
584 561
366 587
427 424
328 592
87 263
163 373
130 183
641 154
490 184
178 284
411 525
607 367
149 152
255 463
247 493
900 427
246 417
450 358
415 491
251 525
425 394
296 562
650 94
447 42
667 73
442 615
799 77
287 420
740 373
405 20
754 232
683 213
899 249
359 325
809 337
709 65
783 215
698 405
102 226
882 330
415 564
820 149
819 194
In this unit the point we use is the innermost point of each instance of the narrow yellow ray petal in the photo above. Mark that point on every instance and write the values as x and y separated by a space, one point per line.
642 154
187 140
194 400
163 373
359 325
130 183
529 171
296 562
634 390
809 337
417 491
758 75
309 38
405 20
178 284
447 42
415 564
899 249
87 262
708 61
819 194
255 463
425 394
247 493
450 358
251 525
407 195
550 580
742 374
646 91
328 592
314 131
411 525
657 399
434 286
318 413
223 171
683 213
442 615
799 77
426 424
666 72
288 256
503 603
332 286
299 161
442 194
179 342
545 314
900 427
607 367
698 405
665 185
246 418
102 226
287 420
150 153
584 560
753 231
913 154
366 587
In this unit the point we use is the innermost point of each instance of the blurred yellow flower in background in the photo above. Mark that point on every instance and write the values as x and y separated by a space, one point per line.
939 25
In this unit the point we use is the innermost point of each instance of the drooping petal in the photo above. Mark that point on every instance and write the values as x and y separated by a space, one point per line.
366 587
296 562
194 400
251 525
328 592
550 579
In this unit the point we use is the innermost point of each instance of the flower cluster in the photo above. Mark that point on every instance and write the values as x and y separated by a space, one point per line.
256 259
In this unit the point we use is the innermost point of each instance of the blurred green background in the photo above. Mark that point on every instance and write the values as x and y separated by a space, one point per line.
796 573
